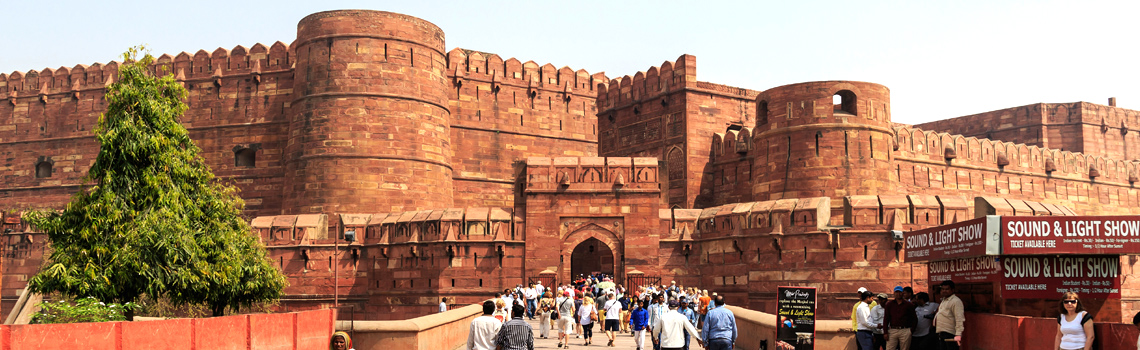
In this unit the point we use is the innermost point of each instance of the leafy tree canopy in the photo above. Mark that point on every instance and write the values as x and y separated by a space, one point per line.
153 220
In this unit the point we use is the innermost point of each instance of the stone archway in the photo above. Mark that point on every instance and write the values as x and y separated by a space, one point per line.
591 256
606 250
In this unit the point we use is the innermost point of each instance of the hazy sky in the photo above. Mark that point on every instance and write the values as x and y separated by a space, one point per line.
940 59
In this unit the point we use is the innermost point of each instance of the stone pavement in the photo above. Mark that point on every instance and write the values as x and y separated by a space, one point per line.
622 341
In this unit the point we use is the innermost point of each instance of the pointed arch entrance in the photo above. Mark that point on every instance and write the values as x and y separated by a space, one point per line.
590 257
589 248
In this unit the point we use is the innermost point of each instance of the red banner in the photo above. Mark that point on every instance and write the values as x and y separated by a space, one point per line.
972 238
1025 277
964 270
1023 235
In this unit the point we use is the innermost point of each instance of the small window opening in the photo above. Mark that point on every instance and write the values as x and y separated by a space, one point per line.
762 113
844 102
43 169
246 157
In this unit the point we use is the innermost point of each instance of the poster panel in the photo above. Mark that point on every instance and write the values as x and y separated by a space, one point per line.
795 325
1024 235
964 270
971 238
1047 277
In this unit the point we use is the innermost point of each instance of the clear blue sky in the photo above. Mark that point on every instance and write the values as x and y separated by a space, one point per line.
940 59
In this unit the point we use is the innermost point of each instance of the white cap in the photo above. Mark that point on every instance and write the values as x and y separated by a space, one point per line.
862 289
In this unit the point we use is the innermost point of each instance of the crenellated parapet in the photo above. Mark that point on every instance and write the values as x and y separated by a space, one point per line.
591 174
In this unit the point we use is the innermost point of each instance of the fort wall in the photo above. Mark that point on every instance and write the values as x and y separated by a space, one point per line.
1089 128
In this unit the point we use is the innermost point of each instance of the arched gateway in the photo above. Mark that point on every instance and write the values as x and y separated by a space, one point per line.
588 250
591 256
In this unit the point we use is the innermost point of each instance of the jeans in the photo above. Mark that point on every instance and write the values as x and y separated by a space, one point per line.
719 344
530 308
865 339
686 347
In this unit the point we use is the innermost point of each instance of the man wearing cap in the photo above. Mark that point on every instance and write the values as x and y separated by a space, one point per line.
899 321
877 316
690 315
670 328
854 323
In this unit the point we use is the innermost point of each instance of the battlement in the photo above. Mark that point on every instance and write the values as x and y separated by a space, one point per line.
591 174
201 66
466 64
655 82
418 226
984 154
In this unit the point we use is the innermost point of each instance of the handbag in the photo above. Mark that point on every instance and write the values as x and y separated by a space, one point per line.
554 314
594 315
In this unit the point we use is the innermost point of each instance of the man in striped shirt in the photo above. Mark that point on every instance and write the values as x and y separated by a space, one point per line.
516 334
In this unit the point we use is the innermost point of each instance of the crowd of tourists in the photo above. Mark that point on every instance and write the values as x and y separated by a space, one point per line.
671 316
910 321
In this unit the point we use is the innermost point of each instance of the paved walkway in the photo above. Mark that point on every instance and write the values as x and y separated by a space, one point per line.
622 341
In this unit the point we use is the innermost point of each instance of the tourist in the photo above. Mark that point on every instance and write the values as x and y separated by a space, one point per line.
340 341
442 305
499 314
690 315
578 320
859 295
924 310
587 314
703 305
900 320
1136 323
508 301
484 328
516 334
612 311
908 294
719 329
545 306
639 321
565 307
539 288
864 327
878 314
1076 326
531 296
625 308
950 319
672 327
655 312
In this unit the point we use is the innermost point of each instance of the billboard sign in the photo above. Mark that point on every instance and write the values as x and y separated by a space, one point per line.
1025 235
971 238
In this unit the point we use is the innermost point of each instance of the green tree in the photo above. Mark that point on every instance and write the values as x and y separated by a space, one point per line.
153 219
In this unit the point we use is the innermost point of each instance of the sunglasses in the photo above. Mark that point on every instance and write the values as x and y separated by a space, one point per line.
1071 301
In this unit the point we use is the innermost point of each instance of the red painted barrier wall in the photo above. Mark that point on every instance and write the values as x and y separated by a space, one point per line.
993 332
307 330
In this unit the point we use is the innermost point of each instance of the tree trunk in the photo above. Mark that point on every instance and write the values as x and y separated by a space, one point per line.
218 309
130 314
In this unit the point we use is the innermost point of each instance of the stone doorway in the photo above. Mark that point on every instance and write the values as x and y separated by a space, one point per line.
591 256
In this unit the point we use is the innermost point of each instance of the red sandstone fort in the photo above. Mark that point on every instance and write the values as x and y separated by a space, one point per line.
461 173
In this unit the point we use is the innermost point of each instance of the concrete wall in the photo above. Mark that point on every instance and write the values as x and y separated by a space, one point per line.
444 331
298 330
990 331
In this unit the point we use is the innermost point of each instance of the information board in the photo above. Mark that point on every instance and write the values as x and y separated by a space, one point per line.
1026 235
971 238
1033 277
795 309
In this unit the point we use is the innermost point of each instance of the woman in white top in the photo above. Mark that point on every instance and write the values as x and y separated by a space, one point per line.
1076 326
586 315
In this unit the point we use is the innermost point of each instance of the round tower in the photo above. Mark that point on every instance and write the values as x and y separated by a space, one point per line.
369 123
827 138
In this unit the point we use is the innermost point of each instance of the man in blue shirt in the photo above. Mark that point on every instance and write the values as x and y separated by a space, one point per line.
639 320
689 315
719 329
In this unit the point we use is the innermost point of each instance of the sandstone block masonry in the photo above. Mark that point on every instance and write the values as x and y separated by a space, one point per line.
460 173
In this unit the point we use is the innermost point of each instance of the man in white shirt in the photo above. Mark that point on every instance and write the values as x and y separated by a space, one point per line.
443 305
539 288
877 316
531 296
613 317
865 335
671 328
483 329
